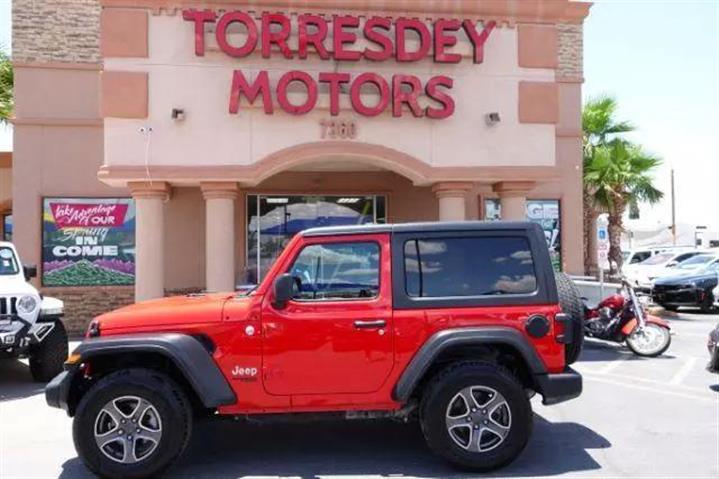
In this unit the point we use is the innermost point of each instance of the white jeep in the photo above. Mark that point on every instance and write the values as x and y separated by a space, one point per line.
30 324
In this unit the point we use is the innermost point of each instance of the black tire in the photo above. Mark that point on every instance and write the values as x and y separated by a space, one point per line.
655 353
570 300
444 388
163 393
47 358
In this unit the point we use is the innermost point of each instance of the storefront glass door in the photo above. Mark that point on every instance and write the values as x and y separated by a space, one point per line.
273 219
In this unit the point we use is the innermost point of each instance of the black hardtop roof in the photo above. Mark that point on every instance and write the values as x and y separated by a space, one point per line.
426 227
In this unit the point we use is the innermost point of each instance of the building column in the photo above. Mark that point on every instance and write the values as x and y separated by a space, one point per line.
452 200
513 199
149 238
219 235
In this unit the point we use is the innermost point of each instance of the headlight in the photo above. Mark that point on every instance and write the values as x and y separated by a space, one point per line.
26 304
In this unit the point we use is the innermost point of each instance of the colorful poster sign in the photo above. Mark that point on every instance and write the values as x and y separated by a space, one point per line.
88 242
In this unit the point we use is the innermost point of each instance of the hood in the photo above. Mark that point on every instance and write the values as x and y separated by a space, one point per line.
172 311
687 279
15 285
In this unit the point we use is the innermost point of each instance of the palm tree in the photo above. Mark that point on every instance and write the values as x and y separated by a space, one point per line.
619 175
599 127
6 88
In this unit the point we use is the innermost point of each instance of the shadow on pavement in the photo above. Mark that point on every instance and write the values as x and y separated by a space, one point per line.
16 381
596 350
224 448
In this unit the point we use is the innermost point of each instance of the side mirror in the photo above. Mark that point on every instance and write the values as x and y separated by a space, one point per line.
672 264
29 271
284 290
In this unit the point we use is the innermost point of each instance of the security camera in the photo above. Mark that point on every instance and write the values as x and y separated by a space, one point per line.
492 118
145 129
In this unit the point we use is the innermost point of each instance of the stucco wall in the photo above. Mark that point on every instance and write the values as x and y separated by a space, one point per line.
56 30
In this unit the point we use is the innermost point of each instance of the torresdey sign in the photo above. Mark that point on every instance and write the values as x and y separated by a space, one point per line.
271 35
88 242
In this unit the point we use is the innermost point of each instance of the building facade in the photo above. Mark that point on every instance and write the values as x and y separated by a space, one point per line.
175 145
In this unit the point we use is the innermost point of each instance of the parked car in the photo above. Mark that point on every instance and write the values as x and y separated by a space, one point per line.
454 321
30 324
713 346
641 275
636 256
694 289
695 264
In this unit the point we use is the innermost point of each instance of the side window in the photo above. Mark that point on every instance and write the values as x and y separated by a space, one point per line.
714 267
337 271
639 257
480 266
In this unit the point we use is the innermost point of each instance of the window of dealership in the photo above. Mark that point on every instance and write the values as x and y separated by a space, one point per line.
193 142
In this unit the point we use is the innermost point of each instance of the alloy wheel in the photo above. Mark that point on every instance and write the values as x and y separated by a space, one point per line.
478 418
128 429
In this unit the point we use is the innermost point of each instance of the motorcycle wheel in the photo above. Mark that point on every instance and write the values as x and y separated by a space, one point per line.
651 341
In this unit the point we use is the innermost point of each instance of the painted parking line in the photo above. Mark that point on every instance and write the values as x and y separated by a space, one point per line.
676 392
684 371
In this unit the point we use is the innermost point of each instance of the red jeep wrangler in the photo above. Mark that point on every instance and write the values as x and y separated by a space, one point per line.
457 324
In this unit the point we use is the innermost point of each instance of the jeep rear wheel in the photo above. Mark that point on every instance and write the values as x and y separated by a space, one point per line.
46 359
132 423
476 415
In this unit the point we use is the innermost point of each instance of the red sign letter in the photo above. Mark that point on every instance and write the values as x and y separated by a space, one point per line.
409 97
442 41
240 86
356 94
478 39
382 40
309 83
334 80
199 17
341 37
315 39
400 27
439 96
221 34
279 38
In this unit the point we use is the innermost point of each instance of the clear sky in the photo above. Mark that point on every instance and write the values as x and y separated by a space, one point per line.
660 59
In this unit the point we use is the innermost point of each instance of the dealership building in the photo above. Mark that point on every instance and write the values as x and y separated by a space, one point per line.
174 145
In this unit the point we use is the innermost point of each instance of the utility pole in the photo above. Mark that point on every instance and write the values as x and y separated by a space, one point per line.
674 213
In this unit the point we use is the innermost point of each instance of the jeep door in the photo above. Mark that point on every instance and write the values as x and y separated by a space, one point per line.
335 334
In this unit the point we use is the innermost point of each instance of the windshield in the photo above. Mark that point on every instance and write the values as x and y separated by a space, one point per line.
658 259
8 262
696 261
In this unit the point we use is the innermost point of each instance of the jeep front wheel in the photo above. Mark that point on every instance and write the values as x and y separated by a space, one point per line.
476 415
132 423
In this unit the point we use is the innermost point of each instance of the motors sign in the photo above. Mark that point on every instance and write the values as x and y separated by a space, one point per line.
378 39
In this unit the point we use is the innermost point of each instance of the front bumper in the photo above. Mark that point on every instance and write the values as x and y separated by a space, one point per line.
678 297
57 391
559 387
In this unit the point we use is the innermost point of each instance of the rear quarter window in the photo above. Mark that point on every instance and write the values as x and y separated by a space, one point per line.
468 266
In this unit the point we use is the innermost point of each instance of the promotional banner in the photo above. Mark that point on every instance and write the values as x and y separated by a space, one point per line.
88 242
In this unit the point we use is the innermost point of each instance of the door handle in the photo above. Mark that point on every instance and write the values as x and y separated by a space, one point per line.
370 324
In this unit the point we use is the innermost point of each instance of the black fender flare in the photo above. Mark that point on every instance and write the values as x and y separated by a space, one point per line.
450 338
186 353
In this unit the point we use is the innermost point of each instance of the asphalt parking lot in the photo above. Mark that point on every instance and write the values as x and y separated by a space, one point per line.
636 418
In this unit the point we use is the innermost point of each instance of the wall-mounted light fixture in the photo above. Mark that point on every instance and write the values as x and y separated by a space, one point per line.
178 114
492 118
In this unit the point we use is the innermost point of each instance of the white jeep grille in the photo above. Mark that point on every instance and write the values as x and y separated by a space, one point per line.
7 307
